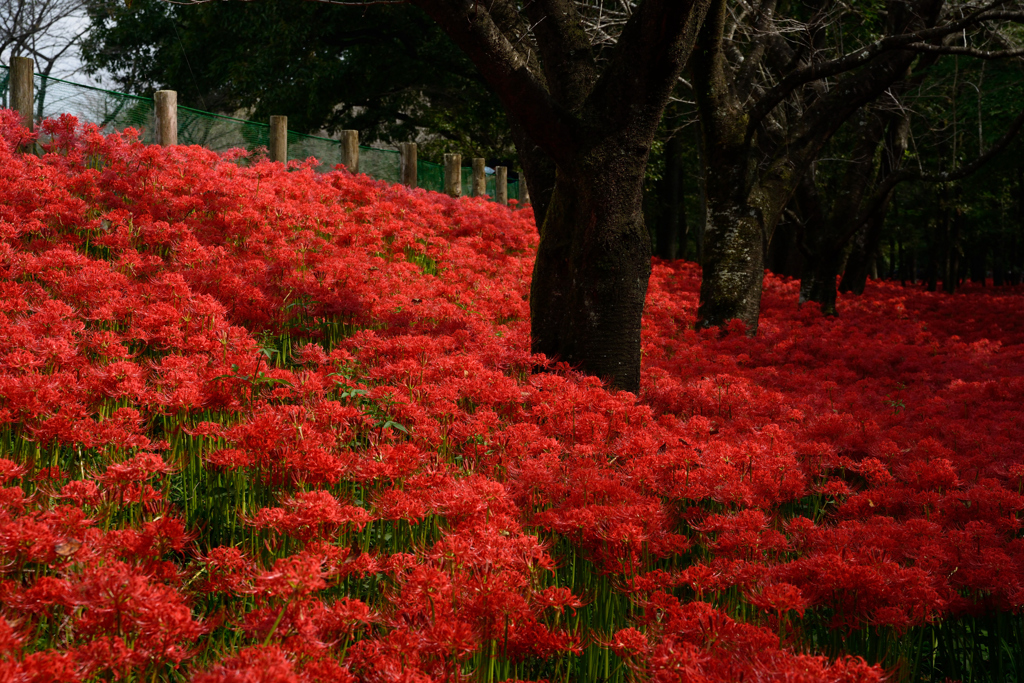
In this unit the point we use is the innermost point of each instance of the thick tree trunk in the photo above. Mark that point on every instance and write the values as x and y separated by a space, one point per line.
593 121
734 239
592 269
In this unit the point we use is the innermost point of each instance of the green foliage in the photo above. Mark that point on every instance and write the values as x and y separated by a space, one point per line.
386 71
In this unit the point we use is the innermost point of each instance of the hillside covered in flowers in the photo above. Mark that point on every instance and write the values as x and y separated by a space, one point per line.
263 424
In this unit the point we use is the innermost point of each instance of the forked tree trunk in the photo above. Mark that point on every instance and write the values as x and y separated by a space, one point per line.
593 265
592 121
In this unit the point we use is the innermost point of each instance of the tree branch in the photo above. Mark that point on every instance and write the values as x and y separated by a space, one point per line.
566 54
960 50
820 70
648 57
896 177
470 25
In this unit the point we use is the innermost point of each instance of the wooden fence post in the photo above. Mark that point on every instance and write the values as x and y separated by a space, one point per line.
350 150
501 184
22 88
479 177
279 139
453 174
408 168
524 192
166 102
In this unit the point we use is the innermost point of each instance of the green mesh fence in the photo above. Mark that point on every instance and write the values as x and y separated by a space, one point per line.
382 164
430 176
114 111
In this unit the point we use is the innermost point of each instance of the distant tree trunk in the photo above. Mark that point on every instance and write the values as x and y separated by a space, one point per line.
702 211
904 266
670 239
998 269
823 240
784 255
891 269
934 252
863 255
955 269
1018 230
868 239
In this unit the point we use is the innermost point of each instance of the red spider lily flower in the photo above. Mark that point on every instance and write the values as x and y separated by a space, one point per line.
310 514
779 598
9 638
45 666
10 470
136 469
265 664
629 642
228 571
293 577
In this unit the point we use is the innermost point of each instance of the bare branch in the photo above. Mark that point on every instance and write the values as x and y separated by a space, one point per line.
820 70
969 51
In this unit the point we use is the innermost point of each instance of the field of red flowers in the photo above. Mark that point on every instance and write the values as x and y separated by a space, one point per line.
262 424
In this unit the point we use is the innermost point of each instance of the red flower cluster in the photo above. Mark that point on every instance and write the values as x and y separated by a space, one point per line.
264 424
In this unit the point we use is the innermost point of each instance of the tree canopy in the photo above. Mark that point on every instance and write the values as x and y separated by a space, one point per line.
387 71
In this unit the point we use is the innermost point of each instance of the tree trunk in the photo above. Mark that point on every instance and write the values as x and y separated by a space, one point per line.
818 281
670 238
903 263
539 170
592 269
933 260
702 210
862 257
823 240
755 158
868 239
592 121
784 256
954 268
733 265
